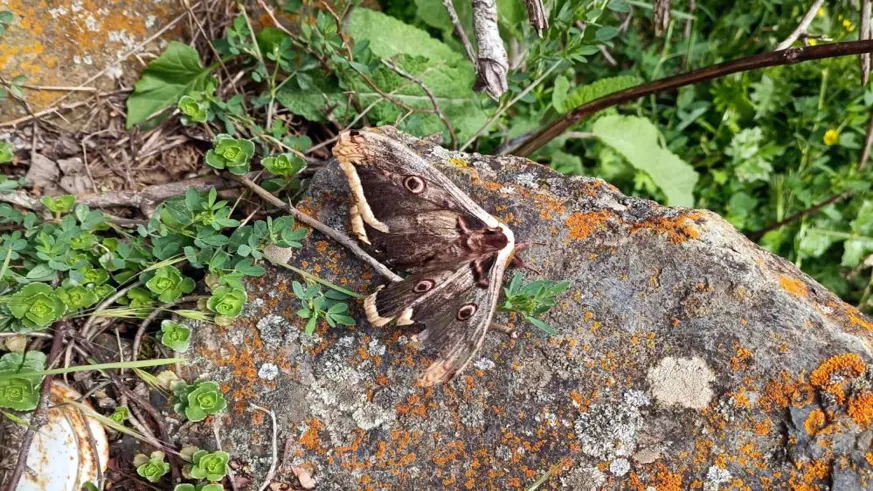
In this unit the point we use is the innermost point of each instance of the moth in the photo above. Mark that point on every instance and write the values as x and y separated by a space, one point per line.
419 221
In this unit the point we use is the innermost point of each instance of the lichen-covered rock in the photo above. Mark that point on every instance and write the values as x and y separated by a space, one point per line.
685 358
65 42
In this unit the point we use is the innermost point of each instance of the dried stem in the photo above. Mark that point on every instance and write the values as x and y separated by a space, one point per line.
536 15
802 27
459 30
866 9
492 60
272 472
436 106
339 237
868 141
763 60
797 216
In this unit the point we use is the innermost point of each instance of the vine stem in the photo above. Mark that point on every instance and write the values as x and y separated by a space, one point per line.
754 62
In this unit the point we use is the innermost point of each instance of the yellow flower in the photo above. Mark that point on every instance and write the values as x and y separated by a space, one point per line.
820 12
812 42
847 24
830 137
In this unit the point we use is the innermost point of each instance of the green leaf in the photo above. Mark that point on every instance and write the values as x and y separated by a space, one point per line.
637 140
390 37
563 100
542 325
177 72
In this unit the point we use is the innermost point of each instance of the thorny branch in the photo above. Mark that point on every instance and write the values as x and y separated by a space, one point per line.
754 62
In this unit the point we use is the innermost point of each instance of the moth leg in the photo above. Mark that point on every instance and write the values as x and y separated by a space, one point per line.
358 225
509 331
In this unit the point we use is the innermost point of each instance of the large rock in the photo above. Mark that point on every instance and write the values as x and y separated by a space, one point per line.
66 42
686 357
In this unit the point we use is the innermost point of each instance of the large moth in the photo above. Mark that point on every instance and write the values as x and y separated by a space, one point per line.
420 222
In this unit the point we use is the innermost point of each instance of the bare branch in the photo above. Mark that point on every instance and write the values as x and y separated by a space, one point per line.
797 216
436 107
868 141
802 27
459 30
754 62
662 16
536 15
493 62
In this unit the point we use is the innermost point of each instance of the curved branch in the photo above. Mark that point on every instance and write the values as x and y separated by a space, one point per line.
754 62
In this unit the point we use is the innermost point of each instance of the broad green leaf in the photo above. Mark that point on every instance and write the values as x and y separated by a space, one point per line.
563 100
637 140
311 103
177 72
390 37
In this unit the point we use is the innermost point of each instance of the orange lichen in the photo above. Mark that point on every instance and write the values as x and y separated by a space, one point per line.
861 408
581 225
832 375
741 360
668 481
678 229
310 438
793 286
869 457
814 422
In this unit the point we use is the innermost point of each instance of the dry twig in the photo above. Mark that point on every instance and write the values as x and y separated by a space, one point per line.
426 89
802 27
272 472
298 215
536 15
459 30
492 60
865 34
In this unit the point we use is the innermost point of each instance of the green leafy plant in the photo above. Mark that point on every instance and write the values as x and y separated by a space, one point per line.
175 336
21 393
151 467
285 165
6 152
199 487
177 72
227 302
533 299
198 400
36 306
78 297
193 111
318 304
169 284
210 466
59 204
120 415
231 154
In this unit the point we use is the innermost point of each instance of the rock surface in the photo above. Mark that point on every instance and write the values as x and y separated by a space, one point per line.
685 358
65 42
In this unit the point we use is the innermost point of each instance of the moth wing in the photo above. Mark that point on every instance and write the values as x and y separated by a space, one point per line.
452 306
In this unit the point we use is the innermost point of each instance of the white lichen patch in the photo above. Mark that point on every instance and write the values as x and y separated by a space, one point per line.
527 180
619 467
268 371
715 477
681 382
271 328
484 364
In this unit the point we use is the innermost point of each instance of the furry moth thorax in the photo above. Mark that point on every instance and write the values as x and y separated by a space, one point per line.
418 221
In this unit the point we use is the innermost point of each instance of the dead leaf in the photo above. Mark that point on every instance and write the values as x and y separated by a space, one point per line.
72 165
43 173
76 184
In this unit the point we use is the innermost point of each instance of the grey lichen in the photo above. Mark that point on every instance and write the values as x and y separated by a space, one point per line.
268 371
681 382
609 430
